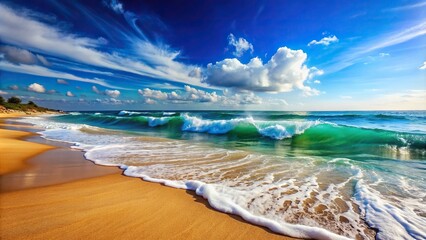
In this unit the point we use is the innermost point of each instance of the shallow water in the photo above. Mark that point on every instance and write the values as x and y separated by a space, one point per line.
312 174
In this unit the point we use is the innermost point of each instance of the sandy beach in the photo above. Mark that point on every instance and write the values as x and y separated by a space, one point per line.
52 192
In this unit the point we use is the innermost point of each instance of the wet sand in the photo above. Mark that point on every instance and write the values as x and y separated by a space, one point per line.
59 195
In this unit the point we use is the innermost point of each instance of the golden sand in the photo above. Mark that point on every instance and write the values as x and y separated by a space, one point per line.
103 206
15 151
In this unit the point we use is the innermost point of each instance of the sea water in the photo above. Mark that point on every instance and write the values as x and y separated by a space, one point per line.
321 175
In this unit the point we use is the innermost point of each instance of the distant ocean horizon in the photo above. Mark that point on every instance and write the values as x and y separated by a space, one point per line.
318 174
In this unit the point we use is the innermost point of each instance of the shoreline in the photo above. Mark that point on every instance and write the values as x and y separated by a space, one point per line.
104 205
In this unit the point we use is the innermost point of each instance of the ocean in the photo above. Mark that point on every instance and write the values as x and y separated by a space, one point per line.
321 175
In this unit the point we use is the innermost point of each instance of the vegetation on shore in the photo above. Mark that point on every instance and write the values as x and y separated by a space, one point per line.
15 104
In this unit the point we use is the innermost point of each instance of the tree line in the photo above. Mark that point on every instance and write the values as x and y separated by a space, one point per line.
15 103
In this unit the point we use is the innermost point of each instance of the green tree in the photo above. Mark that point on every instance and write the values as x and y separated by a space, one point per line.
2 101
32 104
15 100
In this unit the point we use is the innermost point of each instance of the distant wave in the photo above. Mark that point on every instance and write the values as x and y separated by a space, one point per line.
314 134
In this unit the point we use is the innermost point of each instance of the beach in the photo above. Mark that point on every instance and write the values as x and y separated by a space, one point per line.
197 175
64 196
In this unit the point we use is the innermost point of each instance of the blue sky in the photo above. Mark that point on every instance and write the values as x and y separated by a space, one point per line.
208 55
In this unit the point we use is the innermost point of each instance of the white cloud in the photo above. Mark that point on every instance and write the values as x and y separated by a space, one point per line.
324 41
43 60
314 71
115 5
382 54
354 55
241 45
3 92
345 97
191 94
150 101
406 7
89 70
17 55
35 87
14 87
398 37
42 71
95 90
144 58
110 101
21 56
113 100
62 81
150 93
69 94
284 72
112 93
423 67
196 72
317 81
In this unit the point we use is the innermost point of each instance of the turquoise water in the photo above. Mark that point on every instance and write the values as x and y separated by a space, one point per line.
304 174
389 135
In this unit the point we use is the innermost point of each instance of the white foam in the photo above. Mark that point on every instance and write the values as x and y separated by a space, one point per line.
194 124
168 113
392 221
127 113
154 121
220 202
284 129
276 130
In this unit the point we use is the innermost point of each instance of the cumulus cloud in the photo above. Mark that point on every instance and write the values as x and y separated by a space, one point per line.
14 87
324 41
241 45
317 81
112 93
423 67
61 81
21 56
156 94
35 87
3 92
191 94
52 91
69 94
285 71
108 92
150 101
313 72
